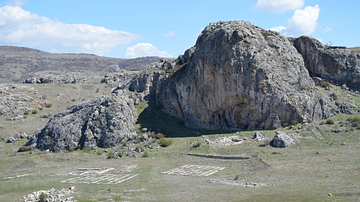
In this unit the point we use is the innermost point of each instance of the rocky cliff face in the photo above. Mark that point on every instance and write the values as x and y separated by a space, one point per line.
336 64
103 121
242 77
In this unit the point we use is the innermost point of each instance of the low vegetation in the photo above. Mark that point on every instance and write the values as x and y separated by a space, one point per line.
24 148
329 121
165 142
325 84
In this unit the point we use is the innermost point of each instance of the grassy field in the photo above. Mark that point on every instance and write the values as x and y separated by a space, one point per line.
322 161
307 171
355 50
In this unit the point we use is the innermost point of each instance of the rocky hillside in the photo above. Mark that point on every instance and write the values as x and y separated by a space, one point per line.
19 63
240 76
237 76
335 64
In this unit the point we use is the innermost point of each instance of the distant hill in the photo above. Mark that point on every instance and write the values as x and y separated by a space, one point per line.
355 50
18 63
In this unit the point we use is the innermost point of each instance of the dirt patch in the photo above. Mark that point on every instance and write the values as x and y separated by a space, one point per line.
256 164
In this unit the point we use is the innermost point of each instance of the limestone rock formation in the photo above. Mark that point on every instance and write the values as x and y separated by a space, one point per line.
103 121
282 140
336 64
241 76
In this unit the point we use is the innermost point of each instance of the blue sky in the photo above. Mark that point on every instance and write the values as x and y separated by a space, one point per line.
136 28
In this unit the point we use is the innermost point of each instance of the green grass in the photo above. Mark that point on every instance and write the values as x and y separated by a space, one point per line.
298 174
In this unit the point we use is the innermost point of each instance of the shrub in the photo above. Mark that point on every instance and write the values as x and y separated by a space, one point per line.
329 121
159 136
285 124
110 155
34 111
164 142
86 149
355 122
146 154
71 149
293 122
124 144
356 119
325 84
197 144
236 177
26 113
334 96
322 122
48 105
24 148
42 197
99 152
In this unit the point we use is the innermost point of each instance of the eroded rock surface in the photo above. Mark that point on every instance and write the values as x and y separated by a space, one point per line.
103 121
336 64
241 76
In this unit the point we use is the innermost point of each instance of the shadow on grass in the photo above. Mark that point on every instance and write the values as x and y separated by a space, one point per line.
154 119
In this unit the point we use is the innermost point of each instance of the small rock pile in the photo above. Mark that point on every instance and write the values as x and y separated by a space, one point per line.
242 183
51 195
225 141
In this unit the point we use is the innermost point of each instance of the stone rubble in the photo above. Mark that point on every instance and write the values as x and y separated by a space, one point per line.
52 195
243 183
194 170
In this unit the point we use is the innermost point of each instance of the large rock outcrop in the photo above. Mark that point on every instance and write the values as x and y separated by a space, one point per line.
241 76
103 121
336 64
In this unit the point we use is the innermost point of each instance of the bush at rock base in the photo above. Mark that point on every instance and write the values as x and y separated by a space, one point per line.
24 148
164 142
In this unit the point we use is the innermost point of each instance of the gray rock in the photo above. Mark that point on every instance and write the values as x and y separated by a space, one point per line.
23 135
282 140
337 130
239 76
258 136
336 64
11 140
347 108
104 121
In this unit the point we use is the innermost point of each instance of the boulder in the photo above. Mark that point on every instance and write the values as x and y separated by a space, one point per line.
23 135
103 121
282 140
11 140
240 76
347 108
258 136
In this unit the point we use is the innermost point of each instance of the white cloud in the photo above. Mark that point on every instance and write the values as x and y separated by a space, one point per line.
21 28
328 29
278 6
16 3
278 29
303 22
169 34
144 49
